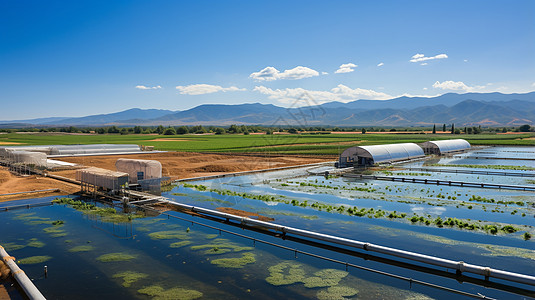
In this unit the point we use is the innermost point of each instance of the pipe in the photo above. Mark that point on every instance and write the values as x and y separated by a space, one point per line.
436 261
25 283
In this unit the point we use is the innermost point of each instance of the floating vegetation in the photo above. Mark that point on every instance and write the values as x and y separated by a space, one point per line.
159 293
285 273
363 212
34 260
13 246
118 256
84 248
324 278
211 236
496 167
336 293
106 214
485 200
169 235
55 231
142 229
221 248
130 277
289 272
235 262
180 244
526 236
35 243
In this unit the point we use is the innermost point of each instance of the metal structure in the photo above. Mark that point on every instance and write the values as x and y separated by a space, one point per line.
97 179
445 146
369 155
37 159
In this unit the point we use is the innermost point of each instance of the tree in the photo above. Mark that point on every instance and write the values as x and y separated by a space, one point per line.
469 130
292 130
452 128
444 128
182 130
219 130
434 128
524 128
504 130
137 129
160 129
363 130
123 131
169 131
234 129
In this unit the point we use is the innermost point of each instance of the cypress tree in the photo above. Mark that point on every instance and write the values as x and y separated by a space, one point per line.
434 128
452 128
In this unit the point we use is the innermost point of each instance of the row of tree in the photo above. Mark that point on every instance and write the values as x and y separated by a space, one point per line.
247 129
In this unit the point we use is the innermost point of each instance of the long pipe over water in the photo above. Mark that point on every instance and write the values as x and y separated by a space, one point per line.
436 261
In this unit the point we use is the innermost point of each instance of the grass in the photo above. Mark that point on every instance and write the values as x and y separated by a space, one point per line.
328 144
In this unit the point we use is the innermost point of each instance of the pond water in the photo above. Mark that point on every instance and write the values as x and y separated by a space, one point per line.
156 256
88 257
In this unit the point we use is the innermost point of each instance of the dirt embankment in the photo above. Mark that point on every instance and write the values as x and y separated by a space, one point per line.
174 164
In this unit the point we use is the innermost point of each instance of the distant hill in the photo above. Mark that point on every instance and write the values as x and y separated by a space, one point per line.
494 109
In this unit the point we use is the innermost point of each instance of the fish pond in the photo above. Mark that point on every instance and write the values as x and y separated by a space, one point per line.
93 250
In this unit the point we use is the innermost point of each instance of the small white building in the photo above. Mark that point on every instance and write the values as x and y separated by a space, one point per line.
369 155
139 169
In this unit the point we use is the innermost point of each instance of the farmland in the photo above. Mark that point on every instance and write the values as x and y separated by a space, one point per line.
312 144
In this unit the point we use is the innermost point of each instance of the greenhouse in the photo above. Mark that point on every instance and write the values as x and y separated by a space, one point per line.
74 150
369 155
27 158
445 146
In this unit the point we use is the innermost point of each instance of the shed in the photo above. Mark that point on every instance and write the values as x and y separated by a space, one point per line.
139 169
445 146
369 155
101 178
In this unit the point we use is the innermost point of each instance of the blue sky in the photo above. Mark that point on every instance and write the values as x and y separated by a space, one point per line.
76 58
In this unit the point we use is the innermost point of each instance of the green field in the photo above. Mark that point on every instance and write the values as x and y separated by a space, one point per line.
314 144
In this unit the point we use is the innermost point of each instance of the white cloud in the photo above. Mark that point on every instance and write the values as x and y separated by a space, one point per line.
201 89
420 57
270 74
466 60
380 64
143 87
324 73
346 68
424 64
425 89
457 86
340 93
533 84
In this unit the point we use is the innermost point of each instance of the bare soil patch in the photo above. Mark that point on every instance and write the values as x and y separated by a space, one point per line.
10 183
9 143
178 165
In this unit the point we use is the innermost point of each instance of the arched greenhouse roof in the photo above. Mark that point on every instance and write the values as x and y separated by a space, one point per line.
385 153
446 146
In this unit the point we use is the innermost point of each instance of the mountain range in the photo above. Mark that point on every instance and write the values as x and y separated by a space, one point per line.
492 109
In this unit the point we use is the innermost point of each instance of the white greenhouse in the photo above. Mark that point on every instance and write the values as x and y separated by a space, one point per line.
445 146
27 158
369 155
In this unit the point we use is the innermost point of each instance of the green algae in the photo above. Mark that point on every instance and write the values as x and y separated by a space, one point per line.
211 236
106 214
13 246
168 235
235 262
130 277
34 260
221 248
325 278
142 229
336 293
35 243
159 293
57 235
84 248
180 244
285 273
41 222
114 257
289 272
53 229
